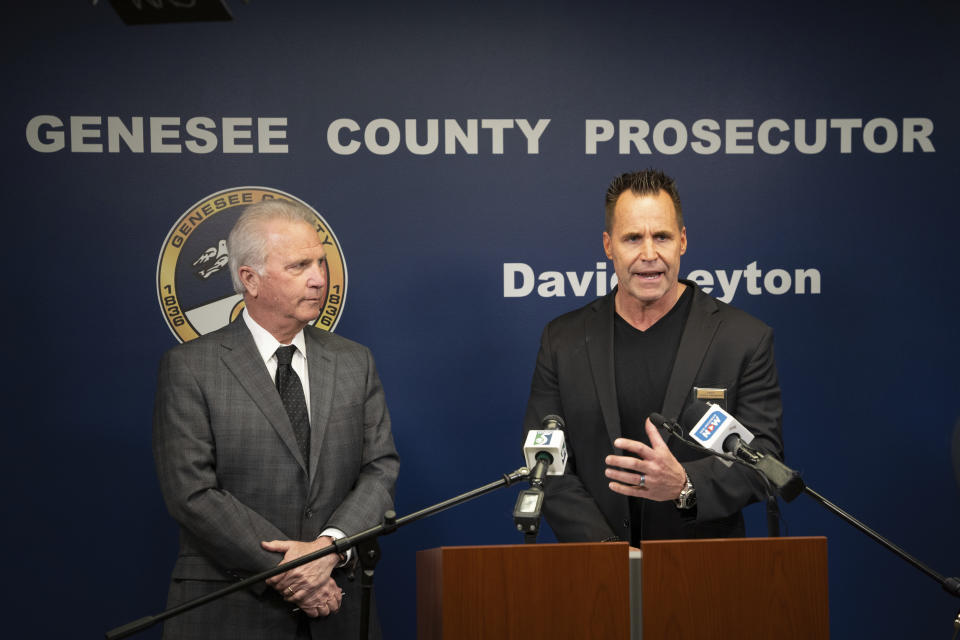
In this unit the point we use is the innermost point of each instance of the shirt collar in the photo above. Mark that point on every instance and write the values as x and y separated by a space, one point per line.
267 344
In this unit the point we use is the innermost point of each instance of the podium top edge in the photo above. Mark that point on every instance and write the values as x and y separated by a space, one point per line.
625 545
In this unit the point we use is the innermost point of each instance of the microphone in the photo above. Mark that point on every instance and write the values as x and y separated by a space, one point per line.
715 429
545 450
671 426
552 422
718 431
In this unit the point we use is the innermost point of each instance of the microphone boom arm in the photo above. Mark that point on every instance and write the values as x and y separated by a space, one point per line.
790 485
390 524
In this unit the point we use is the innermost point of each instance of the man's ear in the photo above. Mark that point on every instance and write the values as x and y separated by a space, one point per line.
250 280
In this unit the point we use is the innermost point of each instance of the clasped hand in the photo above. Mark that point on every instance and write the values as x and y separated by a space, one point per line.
309 586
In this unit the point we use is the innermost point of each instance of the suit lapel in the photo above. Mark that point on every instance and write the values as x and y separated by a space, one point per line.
599 336
241 357
322 369
697 335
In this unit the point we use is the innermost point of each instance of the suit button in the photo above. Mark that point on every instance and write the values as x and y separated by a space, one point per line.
308 513
626 523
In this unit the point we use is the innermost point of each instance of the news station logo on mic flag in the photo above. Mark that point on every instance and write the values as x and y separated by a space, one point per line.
710 425
550 441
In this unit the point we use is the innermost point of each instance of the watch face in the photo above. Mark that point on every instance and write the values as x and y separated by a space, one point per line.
687 496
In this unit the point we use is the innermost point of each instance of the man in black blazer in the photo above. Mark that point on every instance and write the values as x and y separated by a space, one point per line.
254 479
653 344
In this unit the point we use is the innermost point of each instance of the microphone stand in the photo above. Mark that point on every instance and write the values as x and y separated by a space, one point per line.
367 547
950 585
790 485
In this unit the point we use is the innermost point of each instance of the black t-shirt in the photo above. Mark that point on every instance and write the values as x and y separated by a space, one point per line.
643 361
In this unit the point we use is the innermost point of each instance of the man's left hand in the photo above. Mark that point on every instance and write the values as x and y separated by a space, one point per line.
300 584
651 472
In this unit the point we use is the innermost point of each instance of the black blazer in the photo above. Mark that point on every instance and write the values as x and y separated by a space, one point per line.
721 348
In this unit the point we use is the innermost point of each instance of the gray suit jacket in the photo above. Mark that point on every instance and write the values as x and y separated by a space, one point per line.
721 347
232 475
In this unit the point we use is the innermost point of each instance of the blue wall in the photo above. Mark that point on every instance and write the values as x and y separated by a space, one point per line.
867 362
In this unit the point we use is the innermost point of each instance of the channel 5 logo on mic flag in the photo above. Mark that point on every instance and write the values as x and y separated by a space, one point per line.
710 426
542 439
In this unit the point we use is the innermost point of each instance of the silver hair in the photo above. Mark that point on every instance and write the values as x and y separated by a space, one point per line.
247 243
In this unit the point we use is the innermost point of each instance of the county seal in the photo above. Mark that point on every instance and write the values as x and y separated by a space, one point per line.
193 281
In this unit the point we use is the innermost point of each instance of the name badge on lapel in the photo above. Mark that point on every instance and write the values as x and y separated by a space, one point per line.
711 394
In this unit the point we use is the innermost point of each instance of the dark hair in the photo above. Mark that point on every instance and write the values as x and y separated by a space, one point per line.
646 182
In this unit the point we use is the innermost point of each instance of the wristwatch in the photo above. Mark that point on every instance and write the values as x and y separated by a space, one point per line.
688 495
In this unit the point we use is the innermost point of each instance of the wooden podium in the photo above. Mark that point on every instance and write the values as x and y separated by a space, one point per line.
698 589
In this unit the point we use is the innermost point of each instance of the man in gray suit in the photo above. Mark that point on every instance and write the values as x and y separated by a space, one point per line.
654 344
255 480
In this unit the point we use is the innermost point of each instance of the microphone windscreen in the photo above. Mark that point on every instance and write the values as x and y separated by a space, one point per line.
552 421
670 426
658 420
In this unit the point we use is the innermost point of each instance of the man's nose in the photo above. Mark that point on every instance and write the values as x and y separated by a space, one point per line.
317 276
647 250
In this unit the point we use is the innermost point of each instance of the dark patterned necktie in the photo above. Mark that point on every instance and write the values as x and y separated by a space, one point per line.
291 393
